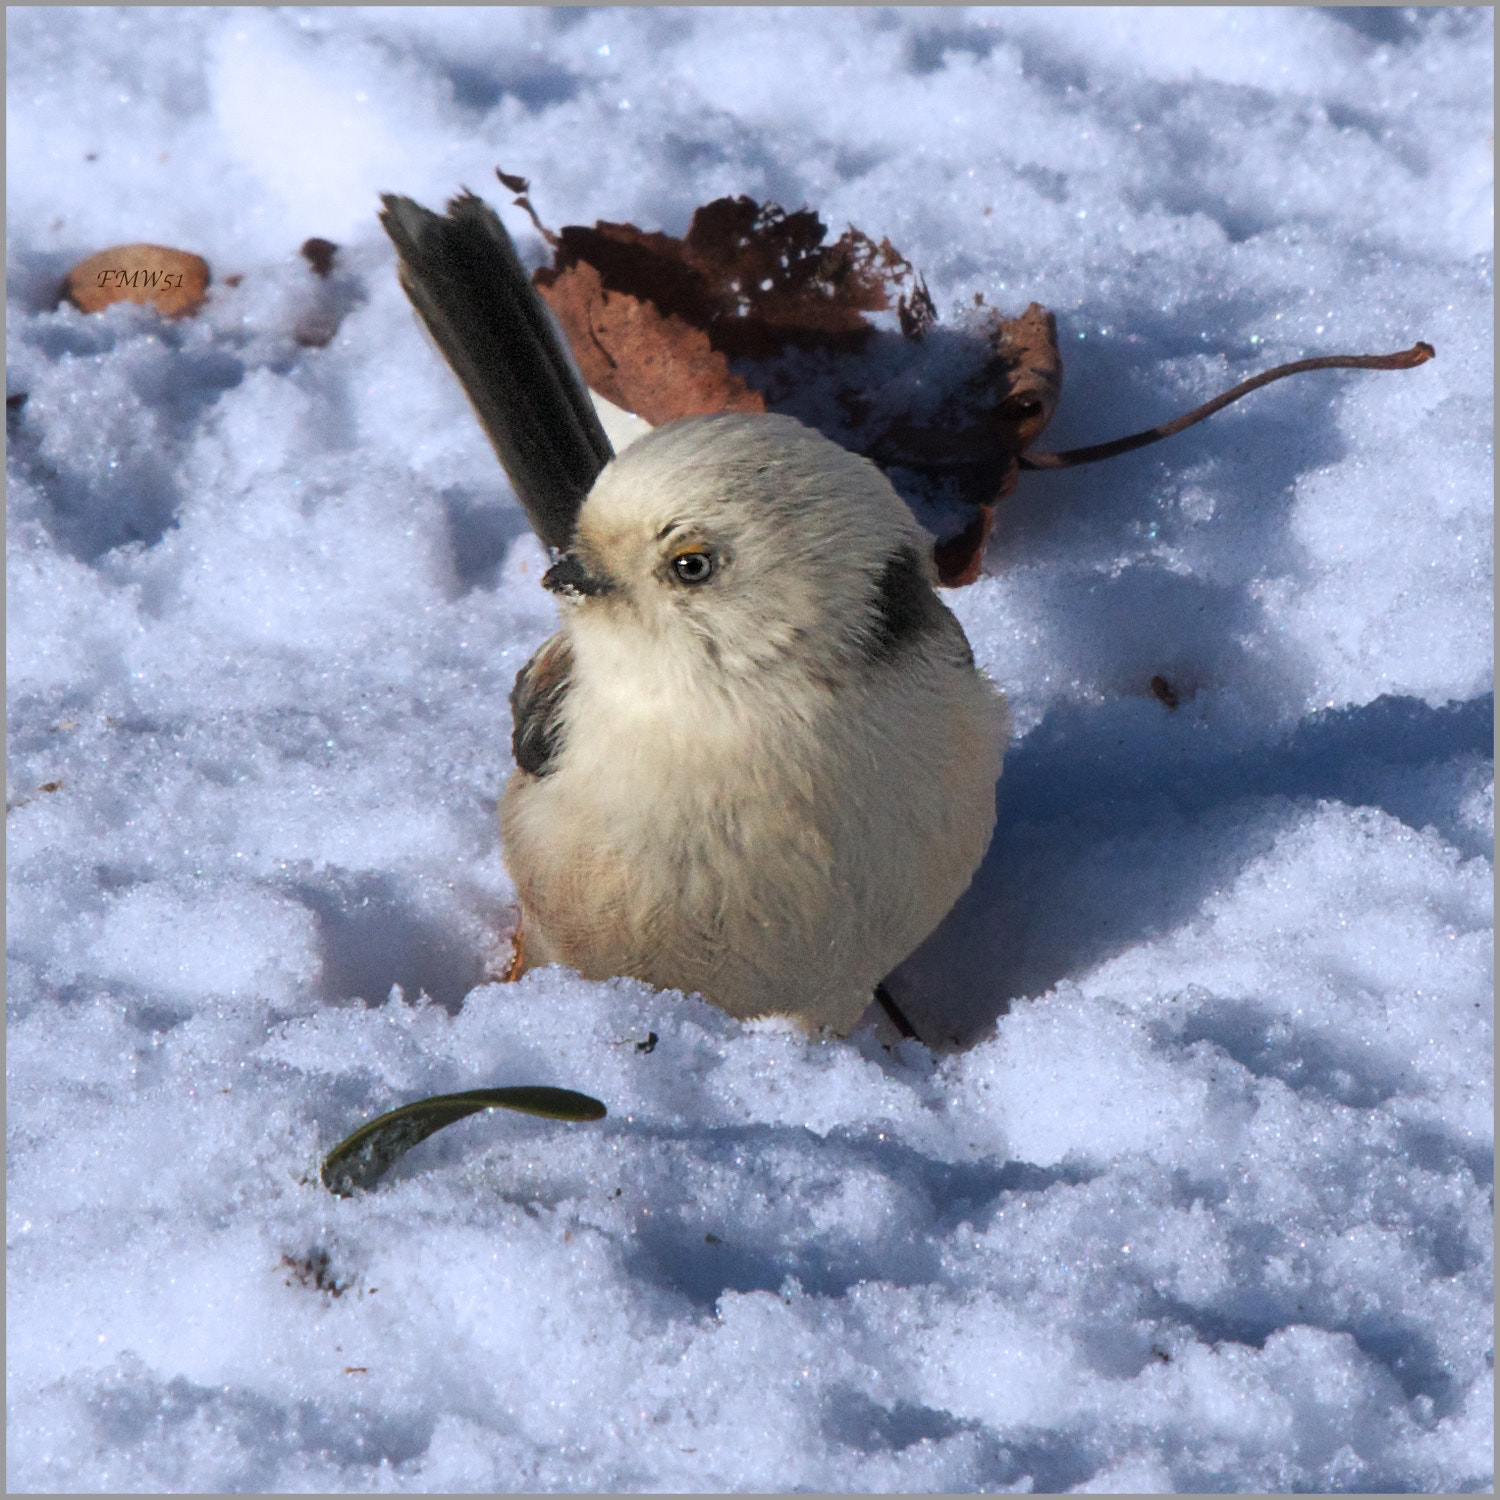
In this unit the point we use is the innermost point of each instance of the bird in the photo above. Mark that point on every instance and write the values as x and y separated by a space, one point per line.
757 760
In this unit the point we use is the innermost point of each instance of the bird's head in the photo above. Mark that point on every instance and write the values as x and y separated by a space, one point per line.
749 539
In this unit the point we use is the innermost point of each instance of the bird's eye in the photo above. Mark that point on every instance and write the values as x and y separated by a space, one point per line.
693 567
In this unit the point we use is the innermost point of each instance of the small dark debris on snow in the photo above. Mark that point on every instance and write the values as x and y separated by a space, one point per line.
320 254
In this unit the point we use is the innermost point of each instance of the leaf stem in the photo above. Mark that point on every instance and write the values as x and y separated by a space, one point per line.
1407 359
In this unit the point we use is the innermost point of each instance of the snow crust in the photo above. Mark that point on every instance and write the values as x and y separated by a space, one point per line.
1195 1190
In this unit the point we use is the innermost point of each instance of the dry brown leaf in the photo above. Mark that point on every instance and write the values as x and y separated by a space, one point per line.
752 276
657 365
658 319
175 280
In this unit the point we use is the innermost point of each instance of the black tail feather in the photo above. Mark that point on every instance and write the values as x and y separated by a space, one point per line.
464 277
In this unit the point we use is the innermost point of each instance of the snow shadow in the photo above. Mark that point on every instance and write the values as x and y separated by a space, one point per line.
88 512
480 529
1384 25
1054 1462
1250 456
479 86
853 1420
122 485
372 937
34 278
1411 1358
1105 839
1343 1071
258 1436
705 1182
1436 1148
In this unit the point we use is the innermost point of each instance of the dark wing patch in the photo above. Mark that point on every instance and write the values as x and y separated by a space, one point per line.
905 609
536 705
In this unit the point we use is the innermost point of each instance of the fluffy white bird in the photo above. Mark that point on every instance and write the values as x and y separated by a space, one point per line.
757 761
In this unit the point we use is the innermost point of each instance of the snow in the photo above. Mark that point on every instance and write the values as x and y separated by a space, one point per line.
1195 1191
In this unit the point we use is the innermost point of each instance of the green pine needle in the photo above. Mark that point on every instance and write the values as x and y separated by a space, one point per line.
367 1155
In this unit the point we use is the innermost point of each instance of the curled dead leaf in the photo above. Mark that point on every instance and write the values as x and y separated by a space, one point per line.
654 321
752 276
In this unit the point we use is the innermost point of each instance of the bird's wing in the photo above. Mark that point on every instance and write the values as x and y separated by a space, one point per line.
536 705
905 612
464 277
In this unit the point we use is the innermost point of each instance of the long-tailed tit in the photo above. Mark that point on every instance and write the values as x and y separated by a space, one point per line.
757 760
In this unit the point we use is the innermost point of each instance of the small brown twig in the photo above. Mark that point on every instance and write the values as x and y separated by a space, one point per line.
523 187
1407 359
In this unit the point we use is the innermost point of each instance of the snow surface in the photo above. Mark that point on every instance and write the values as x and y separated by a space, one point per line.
1200 1199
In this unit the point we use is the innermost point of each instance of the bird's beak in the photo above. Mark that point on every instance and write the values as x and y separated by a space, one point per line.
570 577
